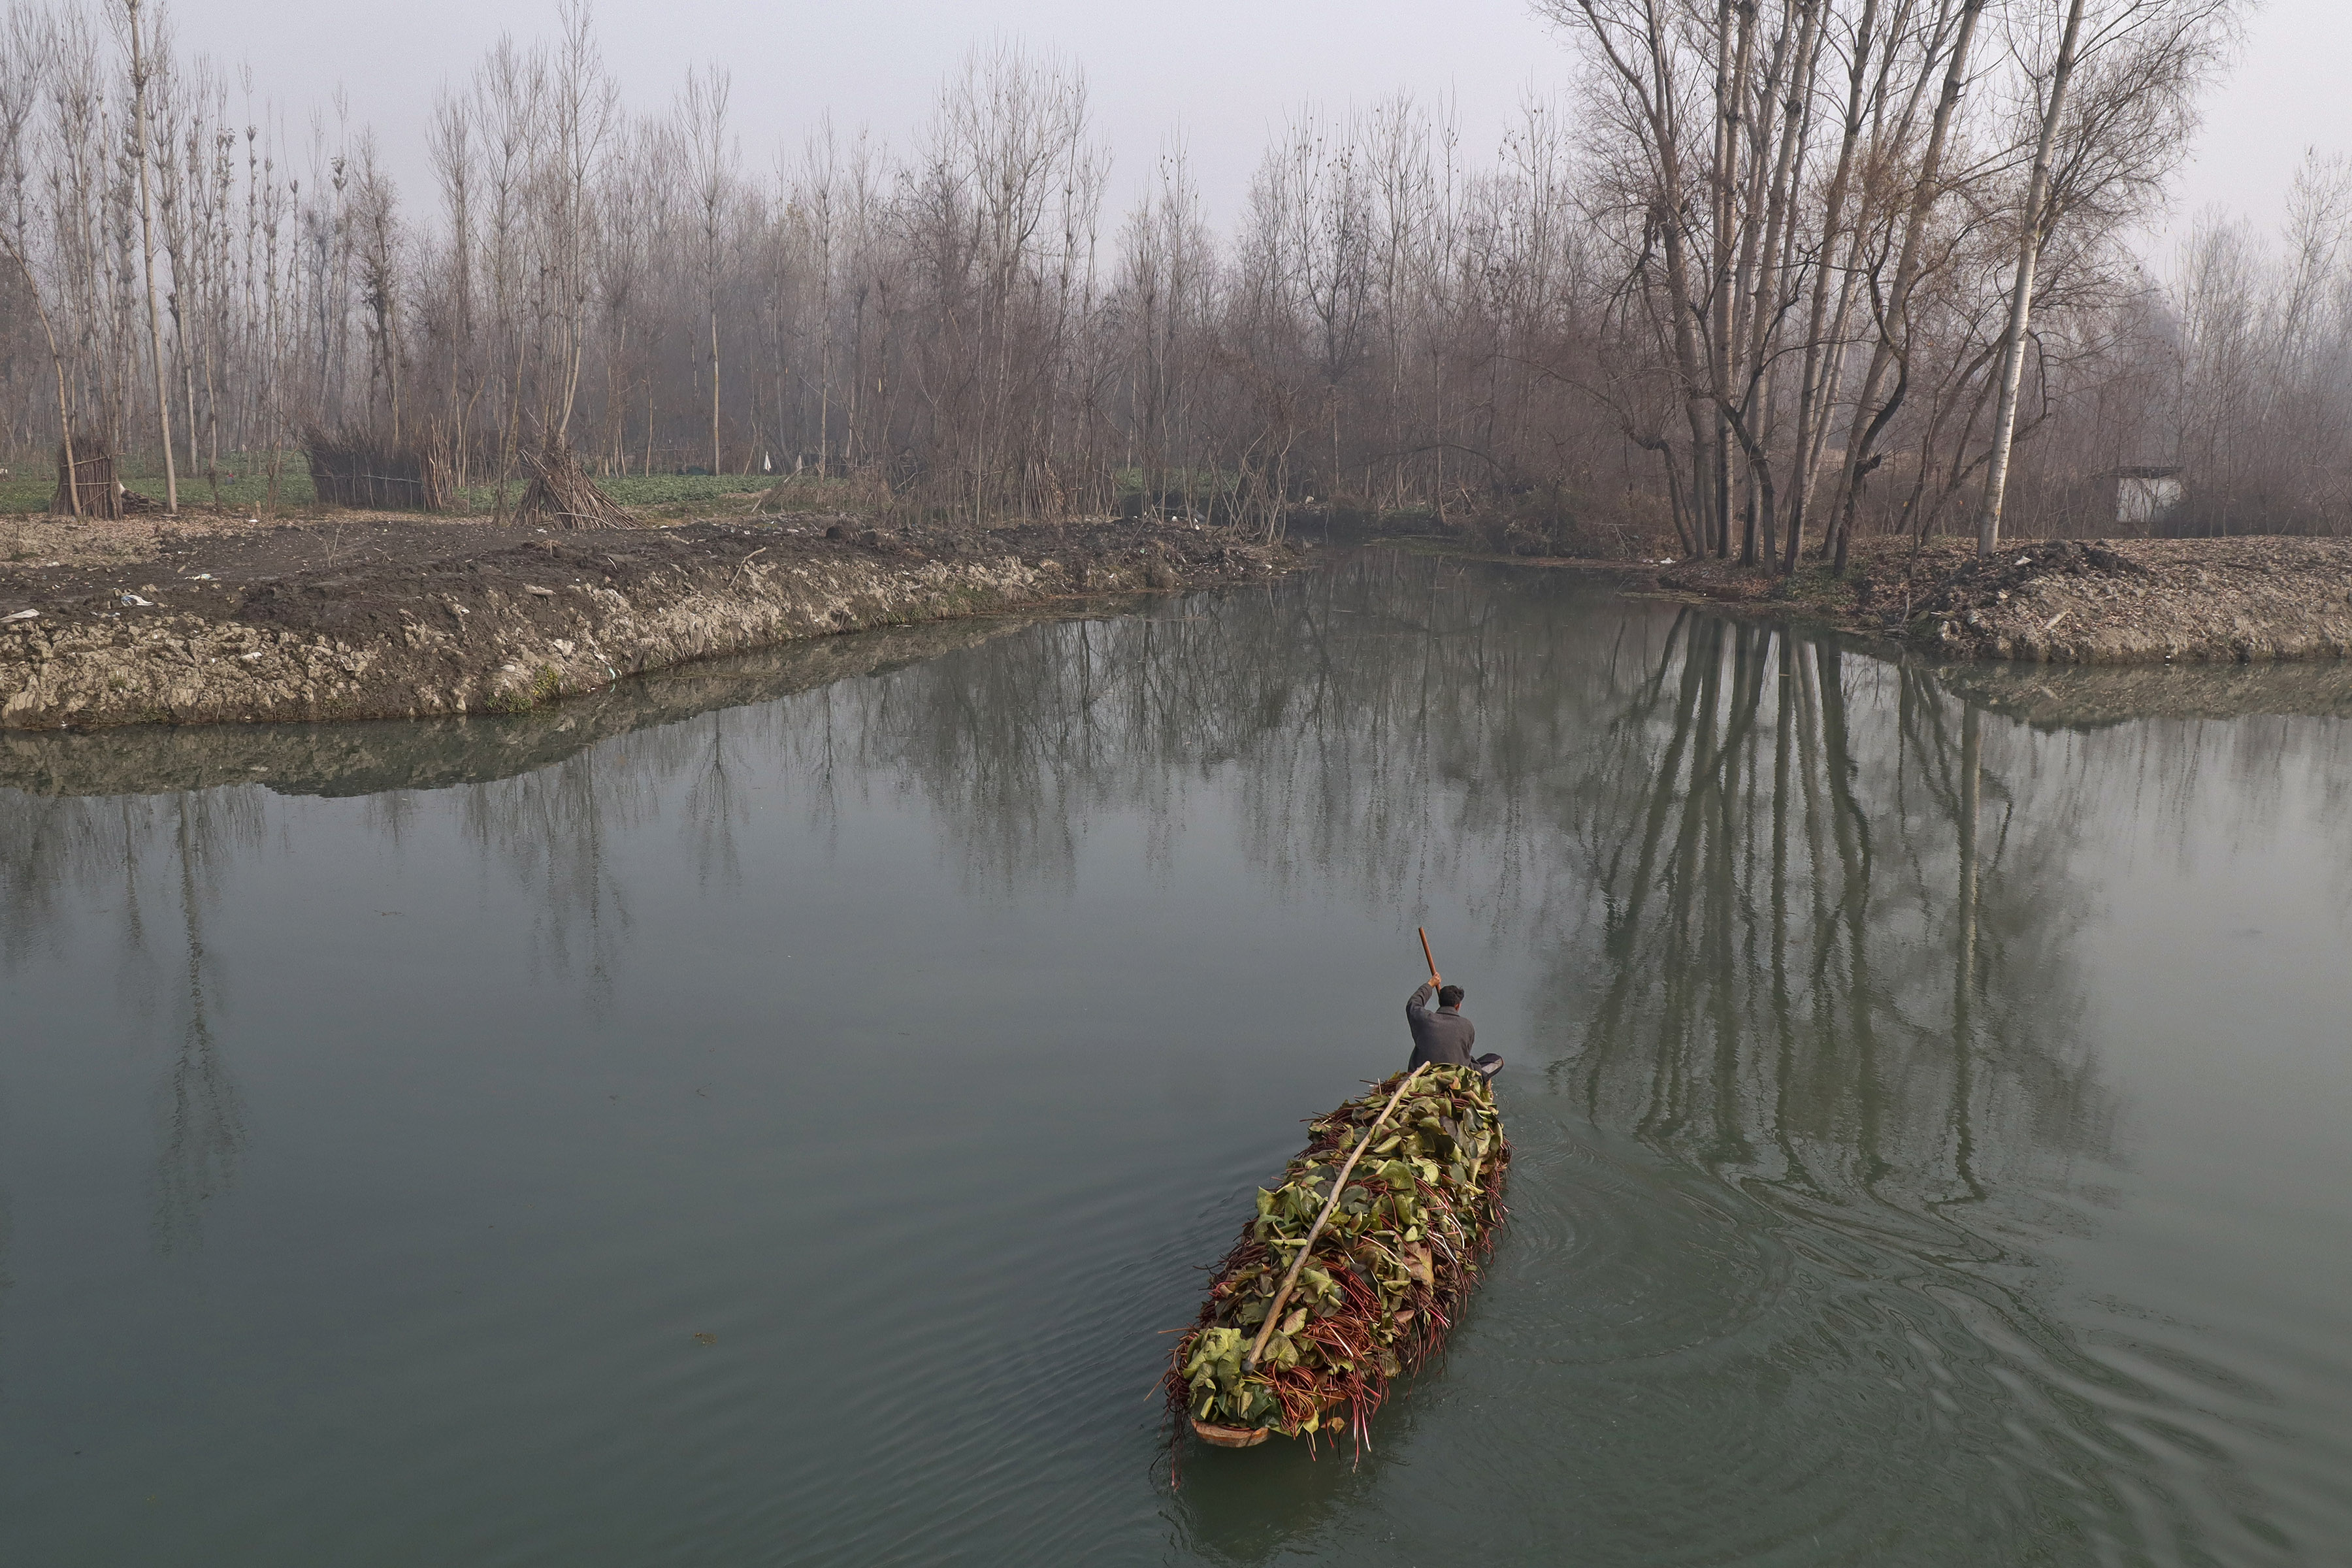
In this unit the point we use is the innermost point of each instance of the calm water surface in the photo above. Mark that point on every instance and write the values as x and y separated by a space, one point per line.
769 1114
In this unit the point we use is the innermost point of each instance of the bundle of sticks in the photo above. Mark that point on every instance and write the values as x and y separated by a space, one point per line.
561 494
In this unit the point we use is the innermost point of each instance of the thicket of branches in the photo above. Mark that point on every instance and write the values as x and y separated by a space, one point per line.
1754 286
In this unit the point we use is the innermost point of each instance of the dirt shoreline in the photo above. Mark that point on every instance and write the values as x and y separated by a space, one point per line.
401 617
405 618
2105 601
366 758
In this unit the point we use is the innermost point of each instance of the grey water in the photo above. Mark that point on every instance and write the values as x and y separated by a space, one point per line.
772 1113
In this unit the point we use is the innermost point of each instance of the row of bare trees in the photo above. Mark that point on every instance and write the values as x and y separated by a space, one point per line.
1777 271
1851 224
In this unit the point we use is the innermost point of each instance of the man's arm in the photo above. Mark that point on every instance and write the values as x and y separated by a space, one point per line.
1416 1009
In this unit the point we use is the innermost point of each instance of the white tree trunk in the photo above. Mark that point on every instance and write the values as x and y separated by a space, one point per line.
139 74
2020 304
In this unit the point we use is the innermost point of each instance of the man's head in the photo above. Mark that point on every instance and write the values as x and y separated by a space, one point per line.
1449 995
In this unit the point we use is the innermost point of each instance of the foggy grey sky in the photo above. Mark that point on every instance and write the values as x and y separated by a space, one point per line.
1225 71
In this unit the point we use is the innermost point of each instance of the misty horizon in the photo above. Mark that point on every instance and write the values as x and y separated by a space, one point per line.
1221 84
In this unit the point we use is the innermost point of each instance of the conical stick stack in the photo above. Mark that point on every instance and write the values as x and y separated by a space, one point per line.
562 495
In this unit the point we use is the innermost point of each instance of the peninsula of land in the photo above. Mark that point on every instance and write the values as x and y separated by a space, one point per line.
405 618
2109 601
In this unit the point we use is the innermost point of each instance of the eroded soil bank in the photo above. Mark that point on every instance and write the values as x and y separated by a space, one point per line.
391 618
330 759
2075 602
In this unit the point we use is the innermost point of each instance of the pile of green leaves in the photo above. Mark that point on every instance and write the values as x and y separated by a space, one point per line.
1385 1280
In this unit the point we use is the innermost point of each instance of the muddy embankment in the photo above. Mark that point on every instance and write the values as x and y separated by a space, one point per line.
512 628
2069 602
354 759
2093 696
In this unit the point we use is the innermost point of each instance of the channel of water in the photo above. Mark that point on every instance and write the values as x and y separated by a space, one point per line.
769 1113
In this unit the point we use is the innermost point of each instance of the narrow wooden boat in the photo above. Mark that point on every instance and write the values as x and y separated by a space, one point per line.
1355 1268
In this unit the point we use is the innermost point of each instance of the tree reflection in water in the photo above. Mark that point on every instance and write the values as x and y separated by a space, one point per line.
1818 930
1843 969
1806 906
170 852
554 831
1801 909
204 1124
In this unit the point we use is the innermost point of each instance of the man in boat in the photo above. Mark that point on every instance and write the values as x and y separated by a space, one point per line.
1444 1035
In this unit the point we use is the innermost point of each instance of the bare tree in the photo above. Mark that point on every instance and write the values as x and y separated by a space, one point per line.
25 45
582 105
711 153
2144 59
142 73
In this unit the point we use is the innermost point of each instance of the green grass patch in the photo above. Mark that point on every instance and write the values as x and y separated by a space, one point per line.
21 493
245 489
243 485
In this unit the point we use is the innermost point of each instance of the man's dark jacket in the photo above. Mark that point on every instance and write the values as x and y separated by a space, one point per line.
1444 1035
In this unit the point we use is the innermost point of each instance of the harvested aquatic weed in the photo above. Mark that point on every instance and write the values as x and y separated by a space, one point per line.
1381 1283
